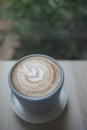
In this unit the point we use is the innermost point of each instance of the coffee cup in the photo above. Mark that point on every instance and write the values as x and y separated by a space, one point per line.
42 103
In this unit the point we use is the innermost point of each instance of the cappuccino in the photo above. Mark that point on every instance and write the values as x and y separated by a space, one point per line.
35 76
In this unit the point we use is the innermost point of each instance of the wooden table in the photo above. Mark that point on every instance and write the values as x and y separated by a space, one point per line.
73 118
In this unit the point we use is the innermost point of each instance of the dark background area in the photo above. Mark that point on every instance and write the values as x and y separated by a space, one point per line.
57 28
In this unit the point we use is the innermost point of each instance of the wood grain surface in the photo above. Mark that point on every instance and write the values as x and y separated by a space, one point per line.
74 116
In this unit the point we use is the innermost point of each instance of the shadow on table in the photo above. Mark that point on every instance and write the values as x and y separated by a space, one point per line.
59 122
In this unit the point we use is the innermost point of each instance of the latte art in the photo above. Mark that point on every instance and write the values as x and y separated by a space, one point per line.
35 76
32 74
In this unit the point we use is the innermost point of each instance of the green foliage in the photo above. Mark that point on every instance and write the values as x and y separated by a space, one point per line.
45 15
65 20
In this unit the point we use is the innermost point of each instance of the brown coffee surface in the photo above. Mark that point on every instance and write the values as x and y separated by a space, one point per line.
35 76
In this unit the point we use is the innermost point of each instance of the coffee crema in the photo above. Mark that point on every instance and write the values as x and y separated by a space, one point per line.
35 76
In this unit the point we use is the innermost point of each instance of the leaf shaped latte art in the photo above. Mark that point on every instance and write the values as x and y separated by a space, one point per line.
33 74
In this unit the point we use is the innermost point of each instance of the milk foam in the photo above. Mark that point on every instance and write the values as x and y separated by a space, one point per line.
36 76
33 74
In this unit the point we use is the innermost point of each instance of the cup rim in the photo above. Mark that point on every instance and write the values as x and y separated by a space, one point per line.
58 88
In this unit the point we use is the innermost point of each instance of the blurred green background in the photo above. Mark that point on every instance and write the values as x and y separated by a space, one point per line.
57 28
